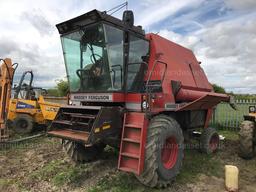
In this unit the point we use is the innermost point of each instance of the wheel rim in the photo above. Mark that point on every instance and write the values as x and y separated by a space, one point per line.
214 142
169 153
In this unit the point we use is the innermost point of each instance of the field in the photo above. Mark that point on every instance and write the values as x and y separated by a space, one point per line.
41 165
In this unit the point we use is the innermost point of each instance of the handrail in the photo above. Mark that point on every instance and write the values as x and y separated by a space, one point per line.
154 65
148 95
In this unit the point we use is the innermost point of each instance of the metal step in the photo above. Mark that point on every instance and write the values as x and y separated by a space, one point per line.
66 122
80 136
131 154
80 115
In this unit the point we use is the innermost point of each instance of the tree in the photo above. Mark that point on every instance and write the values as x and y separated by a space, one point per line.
62 87
60 90
218 89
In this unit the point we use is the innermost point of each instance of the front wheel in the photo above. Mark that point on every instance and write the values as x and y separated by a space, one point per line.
79 153
163 153
246 138
23 124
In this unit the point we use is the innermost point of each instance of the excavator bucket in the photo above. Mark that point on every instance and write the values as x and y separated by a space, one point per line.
86 124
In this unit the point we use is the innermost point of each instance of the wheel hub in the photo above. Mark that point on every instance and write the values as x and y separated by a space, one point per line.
169 153
23 124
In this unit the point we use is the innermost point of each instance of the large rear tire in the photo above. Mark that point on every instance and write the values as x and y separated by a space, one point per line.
246 140
81 154
23 124
163 153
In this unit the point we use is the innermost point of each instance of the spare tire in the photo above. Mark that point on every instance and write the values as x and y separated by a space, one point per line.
246 140
23 123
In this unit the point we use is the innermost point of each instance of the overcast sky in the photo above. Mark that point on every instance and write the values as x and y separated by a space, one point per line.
222 34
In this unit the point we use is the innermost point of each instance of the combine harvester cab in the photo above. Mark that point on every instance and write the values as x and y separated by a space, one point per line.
137 92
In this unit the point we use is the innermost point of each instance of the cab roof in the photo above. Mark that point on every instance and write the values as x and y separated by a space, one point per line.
93 17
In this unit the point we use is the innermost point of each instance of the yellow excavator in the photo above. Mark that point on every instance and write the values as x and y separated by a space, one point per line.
7 70
28 107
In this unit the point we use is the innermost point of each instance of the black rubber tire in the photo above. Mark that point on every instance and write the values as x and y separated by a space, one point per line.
155 174
23 124
205 140
246 140
81 154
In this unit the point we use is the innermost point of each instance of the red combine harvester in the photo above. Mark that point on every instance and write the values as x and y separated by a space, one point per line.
134 91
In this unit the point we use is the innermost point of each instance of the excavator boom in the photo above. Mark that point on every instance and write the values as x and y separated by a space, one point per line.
7 70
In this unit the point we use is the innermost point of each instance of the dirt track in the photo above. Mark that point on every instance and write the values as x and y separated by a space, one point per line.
41 165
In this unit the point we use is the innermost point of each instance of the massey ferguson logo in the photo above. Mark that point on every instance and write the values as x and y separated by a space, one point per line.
91 97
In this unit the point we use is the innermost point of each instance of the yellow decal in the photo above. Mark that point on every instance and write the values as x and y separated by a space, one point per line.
106 127
97 130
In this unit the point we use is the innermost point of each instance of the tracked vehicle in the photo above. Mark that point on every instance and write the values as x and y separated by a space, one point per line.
138 92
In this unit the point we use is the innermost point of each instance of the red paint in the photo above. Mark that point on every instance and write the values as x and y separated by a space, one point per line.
169 153
214 142
191 95
208 118
207 101
118 97
132 147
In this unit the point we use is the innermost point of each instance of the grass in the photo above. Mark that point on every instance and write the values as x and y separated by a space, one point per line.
194 164
229 135
59 173
120 182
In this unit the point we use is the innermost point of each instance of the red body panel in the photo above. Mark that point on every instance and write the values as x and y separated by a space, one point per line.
181 66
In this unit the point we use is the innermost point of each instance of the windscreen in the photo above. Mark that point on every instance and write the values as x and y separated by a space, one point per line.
94 59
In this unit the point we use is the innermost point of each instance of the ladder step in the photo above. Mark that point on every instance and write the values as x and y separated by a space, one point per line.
62 122
80 115
131 155
81 123
74 135
133 126
131 140
66 122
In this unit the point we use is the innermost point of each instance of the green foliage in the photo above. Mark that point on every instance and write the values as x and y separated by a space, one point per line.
245 97
218 89
60 90
53 92
62 87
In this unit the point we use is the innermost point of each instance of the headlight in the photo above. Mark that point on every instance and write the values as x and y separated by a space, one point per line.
144 104
252 109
